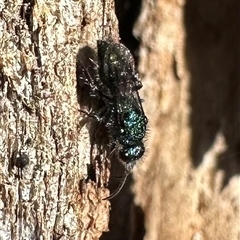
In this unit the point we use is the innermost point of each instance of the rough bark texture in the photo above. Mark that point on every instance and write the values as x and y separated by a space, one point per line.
40 120
187 186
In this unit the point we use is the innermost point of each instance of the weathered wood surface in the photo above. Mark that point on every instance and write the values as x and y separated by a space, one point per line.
187 186
189 183
40 117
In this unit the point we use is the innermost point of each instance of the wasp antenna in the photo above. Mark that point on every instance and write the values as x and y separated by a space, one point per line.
119 188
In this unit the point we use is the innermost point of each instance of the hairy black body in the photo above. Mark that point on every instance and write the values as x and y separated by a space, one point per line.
121 112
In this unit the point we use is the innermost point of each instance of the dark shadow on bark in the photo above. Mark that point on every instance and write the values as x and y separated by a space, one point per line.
86 69
212 53
26 12
120 224
127 12
126 219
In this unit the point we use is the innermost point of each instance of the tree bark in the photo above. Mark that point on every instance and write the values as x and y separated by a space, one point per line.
44 150
188 186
